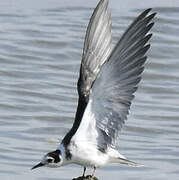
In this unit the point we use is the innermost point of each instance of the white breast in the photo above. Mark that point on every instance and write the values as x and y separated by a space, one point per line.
86 154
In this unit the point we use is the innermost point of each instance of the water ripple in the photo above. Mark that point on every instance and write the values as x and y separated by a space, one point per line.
40 55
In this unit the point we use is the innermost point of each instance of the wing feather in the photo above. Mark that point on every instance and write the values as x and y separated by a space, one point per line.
97 47
114 87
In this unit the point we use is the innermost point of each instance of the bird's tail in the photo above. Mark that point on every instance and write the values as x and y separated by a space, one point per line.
128 162
116 157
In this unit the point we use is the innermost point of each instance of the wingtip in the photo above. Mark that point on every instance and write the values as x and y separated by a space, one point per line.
149 19
151 24
103 2
149 36
146 12
153 14
147 47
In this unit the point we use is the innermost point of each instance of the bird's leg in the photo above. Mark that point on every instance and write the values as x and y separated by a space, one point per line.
93 171
84 172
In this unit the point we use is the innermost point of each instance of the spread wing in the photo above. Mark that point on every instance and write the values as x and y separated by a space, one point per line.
113 90
97 48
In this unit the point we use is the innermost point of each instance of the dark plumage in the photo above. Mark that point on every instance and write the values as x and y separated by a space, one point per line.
55 155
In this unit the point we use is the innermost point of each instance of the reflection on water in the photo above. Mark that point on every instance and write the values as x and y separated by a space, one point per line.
40 55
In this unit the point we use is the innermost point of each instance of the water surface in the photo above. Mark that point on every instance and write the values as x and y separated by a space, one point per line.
40 53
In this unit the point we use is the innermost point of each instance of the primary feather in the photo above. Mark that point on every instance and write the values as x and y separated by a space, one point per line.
113 90
97 48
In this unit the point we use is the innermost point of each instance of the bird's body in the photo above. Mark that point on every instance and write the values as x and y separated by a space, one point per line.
85 151
107 81
86 155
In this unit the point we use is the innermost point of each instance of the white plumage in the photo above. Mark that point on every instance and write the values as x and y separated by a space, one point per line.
107 82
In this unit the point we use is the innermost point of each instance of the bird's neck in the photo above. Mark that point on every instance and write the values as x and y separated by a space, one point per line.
65 153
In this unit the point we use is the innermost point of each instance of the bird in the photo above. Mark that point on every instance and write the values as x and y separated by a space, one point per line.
108 78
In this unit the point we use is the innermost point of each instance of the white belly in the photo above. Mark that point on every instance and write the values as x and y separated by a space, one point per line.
87 155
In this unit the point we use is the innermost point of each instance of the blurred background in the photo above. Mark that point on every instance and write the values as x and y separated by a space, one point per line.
40 53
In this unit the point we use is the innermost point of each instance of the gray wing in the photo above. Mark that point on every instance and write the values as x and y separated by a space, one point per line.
113 90
97 47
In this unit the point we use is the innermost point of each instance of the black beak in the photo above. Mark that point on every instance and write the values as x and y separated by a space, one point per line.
38 165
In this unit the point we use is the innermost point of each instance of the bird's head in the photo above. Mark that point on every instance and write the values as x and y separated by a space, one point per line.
52 159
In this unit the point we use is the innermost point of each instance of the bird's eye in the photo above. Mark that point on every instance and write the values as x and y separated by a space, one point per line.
50 160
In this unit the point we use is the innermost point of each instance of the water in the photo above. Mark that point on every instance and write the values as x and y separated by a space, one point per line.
40 53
